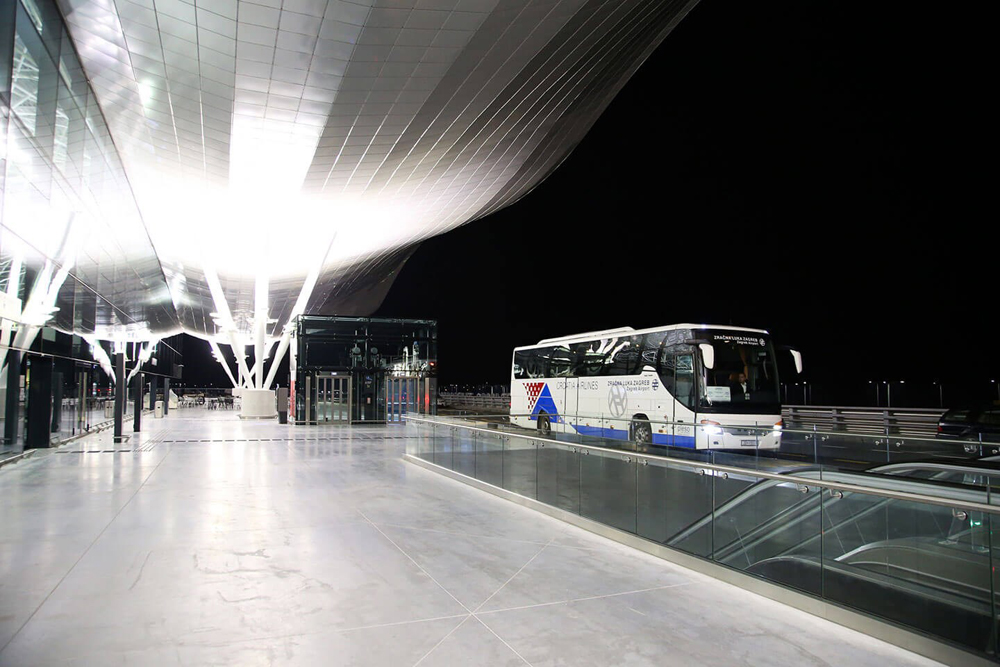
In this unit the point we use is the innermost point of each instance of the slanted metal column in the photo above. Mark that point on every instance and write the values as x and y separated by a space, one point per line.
120 391
137 412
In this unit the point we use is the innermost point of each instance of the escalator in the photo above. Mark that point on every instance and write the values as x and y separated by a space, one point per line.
925 566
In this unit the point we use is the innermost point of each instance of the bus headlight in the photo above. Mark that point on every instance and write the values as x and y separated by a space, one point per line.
778 425
711 428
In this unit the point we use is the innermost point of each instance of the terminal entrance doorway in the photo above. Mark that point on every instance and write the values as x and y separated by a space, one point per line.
330 399
405 395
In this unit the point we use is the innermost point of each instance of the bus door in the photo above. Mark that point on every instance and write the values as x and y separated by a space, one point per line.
676 370
685 393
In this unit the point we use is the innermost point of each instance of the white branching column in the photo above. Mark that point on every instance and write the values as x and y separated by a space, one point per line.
258 401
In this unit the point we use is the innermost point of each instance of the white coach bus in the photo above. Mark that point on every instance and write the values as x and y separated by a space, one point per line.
684 385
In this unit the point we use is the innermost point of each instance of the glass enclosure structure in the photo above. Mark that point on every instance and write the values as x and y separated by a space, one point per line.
362 369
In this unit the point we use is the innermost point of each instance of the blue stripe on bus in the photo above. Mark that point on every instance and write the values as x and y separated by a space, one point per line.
619 434
685 441
597 431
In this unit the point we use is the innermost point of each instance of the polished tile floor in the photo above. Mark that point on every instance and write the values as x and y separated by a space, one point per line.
206 540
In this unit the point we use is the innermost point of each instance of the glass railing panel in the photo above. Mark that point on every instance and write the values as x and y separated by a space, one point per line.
463 451
423 447
489 458
992 526
558 476
520 465
765 527
442 450
671 499
923 565
608 488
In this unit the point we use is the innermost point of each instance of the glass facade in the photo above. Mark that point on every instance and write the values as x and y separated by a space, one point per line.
74 256
73 246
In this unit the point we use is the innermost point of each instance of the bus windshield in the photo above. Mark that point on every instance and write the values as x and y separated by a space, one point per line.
744 377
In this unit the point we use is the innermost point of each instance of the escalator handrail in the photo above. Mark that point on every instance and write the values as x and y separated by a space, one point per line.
951 497
950 598
891 468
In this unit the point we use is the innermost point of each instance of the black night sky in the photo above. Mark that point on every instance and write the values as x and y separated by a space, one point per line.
790 166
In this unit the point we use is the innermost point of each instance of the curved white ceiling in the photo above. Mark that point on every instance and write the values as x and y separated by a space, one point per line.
287 155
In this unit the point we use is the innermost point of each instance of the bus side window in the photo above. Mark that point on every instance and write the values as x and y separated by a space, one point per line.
535 363
521 364
684 382
560 362
666 370
624 356
650 349
587 360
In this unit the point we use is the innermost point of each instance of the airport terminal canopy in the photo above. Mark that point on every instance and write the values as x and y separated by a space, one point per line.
219 167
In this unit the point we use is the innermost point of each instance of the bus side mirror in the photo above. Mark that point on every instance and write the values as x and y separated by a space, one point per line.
708 355
797 357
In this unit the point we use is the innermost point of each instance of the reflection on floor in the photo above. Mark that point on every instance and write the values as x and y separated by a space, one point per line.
210 540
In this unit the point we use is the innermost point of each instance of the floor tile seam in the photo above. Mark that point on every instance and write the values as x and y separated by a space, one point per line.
443 639
587 599
77 561
411 559
502 640
513 576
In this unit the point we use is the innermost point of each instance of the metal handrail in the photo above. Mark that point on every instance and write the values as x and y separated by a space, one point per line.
785 430
792 479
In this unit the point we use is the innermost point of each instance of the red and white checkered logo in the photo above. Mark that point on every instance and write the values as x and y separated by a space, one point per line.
533 389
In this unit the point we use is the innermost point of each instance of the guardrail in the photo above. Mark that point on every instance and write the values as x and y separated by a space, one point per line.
466 401
869 421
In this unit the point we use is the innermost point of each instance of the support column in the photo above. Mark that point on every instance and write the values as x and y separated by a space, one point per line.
153 381
57 399
39 403
137 412
12 415
82 416
120 392
166 396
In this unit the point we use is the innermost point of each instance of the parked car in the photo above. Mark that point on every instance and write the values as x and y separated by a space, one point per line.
980 424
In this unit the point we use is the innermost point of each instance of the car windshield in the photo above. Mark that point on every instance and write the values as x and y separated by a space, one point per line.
962 416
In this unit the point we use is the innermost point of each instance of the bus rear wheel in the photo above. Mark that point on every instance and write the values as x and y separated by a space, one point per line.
642 432
544 426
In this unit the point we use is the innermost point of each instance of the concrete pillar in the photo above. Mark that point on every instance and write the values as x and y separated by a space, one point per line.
120 392
166 396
